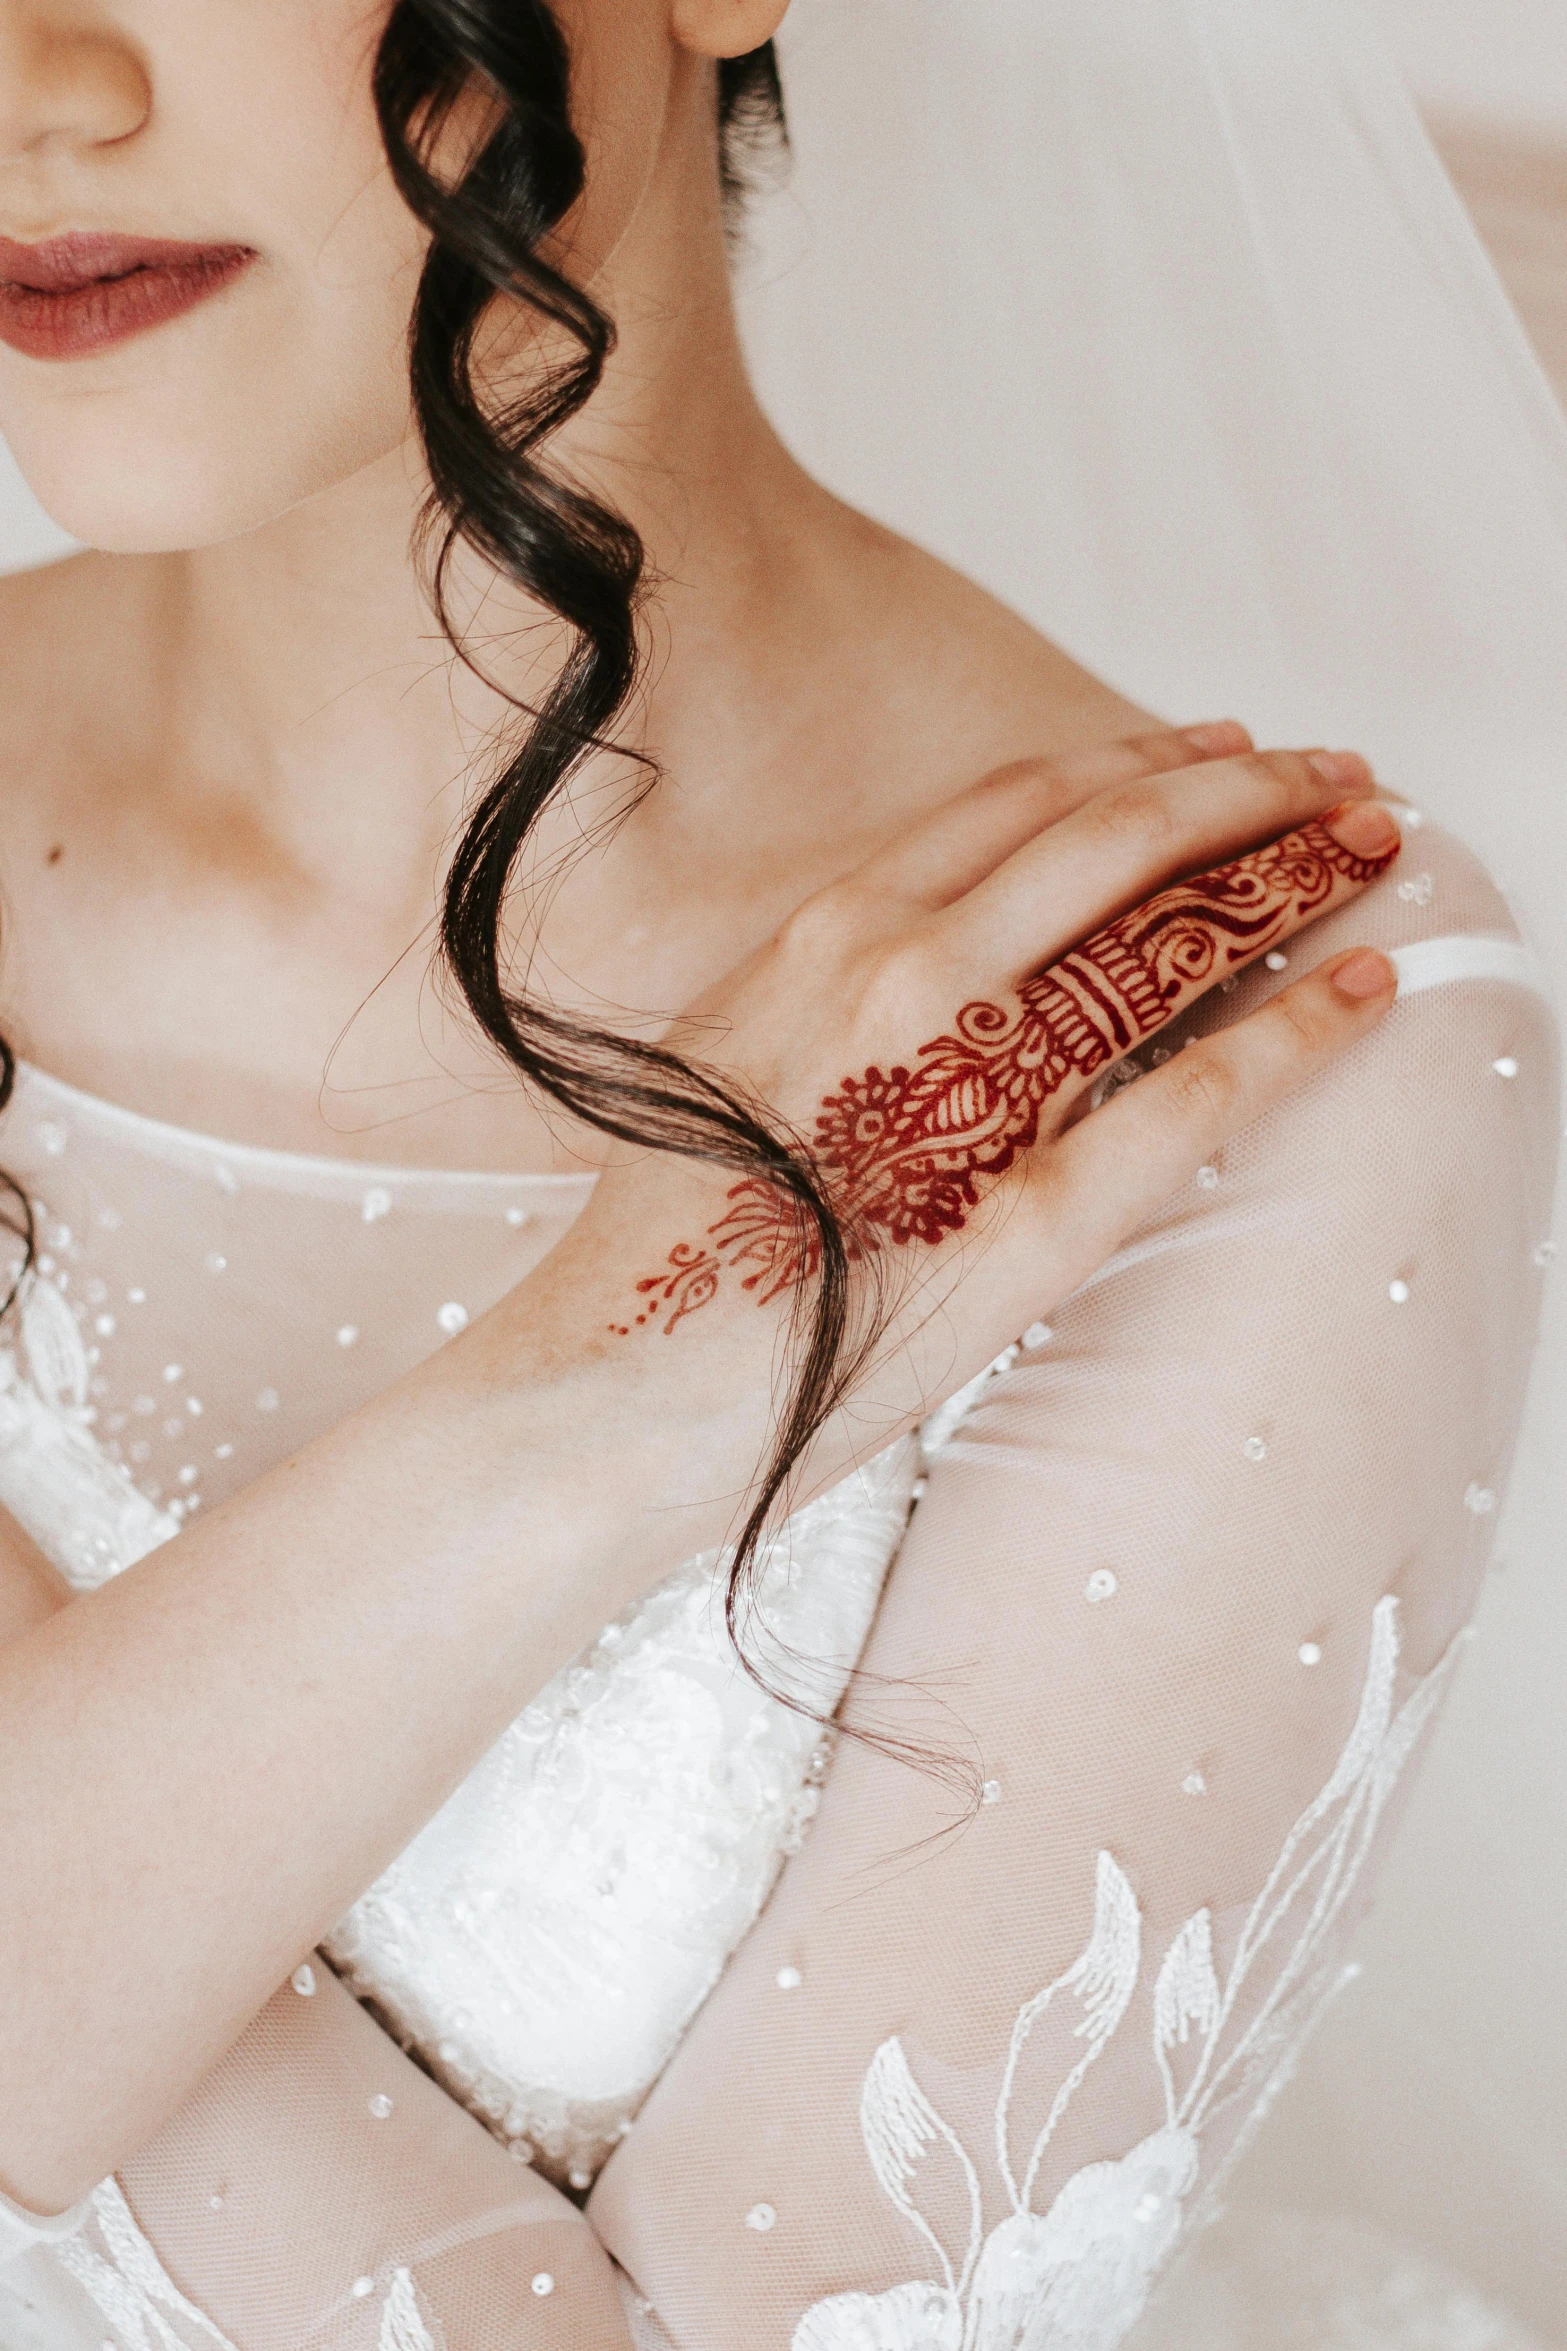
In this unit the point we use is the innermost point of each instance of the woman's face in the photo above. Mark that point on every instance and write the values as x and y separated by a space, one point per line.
262 360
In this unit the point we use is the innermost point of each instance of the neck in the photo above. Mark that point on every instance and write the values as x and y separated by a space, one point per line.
302 688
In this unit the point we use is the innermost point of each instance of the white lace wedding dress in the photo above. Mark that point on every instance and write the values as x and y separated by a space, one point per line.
846 2055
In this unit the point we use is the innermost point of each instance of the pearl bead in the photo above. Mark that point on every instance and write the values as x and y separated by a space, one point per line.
380 2106
1399 1293
452 1318
788 1979
1038 1334
303 1980
1507 1067
1277 961
1309 1653
362 2287
1256 1448
1194 1784
1479 1500
348 1334
990 1793
761 2217
1208 1178
579 2178
1101 1585
516 1216
375 1204
543 2284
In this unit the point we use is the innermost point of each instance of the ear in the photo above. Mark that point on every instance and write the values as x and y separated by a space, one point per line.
725 28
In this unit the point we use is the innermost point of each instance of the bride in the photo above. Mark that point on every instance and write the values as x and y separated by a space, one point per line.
825 1635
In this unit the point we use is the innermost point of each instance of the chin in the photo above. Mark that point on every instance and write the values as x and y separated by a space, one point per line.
141 460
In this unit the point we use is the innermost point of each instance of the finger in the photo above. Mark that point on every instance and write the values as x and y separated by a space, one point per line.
958 844
1121 1163
1125 844
1129 980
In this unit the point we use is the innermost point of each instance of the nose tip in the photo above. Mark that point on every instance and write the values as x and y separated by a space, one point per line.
76 89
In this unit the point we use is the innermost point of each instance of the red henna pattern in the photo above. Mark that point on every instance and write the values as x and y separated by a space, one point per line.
905 1148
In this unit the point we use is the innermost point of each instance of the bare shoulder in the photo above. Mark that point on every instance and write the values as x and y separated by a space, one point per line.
946 677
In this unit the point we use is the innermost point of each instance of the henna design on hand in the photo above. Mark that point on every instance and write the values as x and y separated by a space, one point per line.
905 1150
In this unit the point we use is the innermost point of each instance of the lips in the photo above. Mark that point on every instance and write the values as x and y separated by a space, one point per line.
74 295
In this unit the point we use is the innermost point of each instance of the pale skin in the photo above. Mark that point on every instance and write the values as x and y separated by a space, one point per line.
241 733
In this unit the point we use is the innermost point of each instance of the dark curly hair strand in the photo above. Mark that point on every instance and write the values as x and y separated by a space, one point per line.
583 563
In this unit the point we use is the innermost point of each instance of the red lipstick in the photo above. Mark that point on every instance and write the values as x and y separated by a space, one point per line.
75 295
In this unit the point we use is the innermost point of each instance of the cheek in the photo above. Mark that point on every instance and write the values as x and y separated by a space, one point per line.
293 378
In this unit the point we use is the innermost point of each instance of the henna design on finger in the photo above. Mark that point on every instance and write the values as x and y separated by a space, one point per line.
906 1149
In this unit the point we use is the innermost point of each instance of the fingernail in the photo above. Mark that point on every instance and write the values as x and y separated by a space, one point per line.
1363 974
1218 735
1345 768
1364 826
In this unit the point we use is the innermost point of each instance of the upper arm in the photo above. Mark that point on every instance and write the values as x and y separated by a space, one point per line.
31 1588
1170 1591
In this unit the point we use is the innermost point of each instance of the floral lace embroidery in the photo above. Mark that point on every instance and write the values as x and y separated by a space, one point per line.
1077 2277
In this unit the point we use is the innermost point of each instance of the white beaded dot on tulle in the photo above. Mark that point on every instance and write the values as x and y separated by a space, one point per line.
361 2288
375 1204
1399 1293
788 1979
1038 1334
1506 1067
452 1318
347 1334
1479 1499
543 2284
303 1980
1194 1784
1277 960
380 2106
1310 1653
1416 891
1101 1585
761 2217
1256 1448
1208 1178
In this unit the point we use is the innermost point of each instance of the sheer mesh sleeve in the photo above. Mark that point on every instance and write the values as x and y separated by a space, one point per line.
319 2193
1183 1591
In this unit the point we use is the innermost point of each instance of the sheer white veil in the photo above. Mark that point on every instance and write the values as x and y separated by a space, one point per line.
1162 319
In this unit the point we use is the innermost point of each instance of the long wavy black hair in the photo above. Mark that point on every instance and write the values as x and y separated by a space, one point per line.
493 490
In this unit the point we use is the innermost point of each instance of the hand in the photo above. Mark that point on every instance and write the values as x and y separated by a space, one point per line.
932 1026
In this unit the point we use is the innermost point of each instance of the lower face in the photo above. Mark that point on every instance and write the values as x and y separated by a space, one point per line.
206 273
206 319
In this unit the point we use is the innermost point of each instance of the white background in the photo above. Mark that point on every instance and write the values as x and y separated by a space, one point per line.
1506 58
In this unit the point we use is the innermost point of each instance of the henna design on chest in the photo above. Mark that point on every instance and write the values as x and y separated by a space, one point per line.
905 1150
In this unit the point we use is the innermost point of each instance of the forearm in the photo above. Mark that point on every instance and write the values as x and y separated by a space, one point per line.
205 1763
